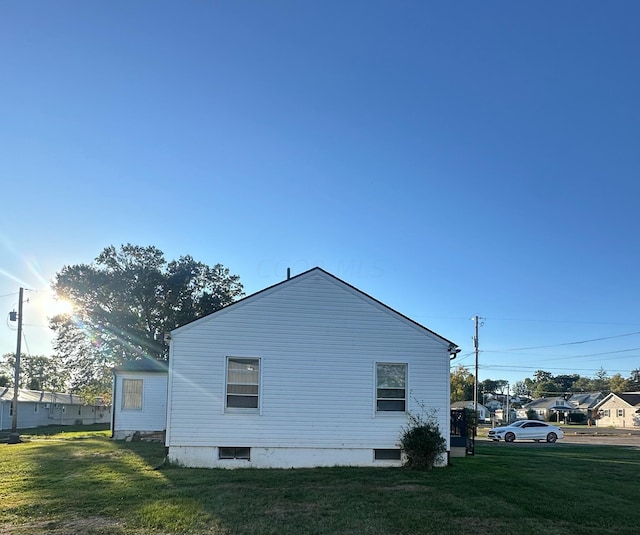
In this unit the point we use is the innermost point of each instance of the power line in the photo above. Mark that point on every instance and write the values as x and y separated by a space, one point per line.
535 368
576 322
561 344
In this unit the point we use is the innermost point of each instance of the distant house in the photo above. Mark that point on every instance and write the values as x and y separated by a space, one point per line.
545 407
494 404
585 402
619 410
308 372
483 412
39 408
139 398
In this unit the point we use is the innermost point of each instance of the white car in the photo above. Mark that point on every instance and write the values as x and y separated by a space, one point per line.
526 430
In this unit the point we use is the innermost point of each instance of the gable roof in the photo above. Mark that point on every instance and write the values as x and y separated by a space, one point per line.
585 400
335 280
630 398
467 405
548 403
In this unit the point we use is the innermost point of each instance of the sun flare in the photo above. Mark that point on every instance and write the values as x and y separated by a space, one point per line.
58 306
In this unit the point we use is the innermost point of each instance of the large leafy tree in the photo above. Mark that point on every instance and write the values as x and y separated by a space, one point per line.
37 372
125 303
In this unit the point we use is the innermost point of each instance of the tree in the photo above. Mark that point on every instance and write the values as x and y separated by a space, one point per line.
546 389
488 386
541 376
634 380
566 382
584 384
125 303
601 381
520 389
37 372
617 383
462 383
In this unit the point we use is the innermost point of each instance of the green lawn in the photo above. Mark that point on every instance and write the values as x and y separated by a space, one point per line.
79 483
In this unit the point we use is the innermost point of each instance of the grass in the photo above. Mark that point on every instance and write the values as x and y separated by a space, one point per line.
75 483
58 432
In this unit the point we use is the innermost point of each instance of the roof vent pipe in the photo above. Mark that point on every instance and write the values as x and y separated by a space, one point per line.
288 273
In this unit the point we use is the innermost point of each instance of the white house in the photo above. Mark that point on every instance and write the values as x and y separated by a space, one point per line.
39 408
139 398
308 372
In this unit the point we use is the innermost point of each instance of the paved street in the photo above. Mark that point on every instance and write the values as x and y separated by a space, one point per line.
594 435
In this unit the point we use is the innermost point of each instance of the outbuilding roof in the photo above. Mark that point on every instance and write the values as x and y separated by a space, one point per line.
143 365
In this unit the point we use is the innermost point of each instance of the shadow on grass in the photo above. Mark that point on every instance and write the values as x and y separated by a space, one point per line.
117 486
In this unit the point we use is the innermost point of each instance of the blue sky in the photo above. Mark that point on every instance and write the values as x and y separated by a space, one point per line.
448 158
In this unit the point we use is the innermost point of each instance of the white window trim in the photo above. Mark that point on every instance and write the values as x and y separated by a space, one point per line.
387 414
241 410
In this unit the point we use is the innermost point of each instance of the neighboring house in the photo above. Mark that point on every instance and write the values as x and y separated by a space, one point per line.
483 412
619 410
493 405
586 402
39 408
544 407
139 398
308 372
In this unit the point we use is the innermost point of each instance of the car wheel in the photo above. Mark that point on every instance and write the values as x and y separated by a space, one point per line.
552 437
509 437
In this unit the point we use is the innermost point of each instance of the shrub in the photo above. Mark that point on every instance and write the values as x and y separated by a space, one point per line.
577 418
422 442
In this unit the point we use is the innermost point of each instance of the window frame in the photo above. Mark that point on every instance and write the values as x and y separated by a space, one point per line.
125 397
387 454
620 413
258 396
378 398
232 453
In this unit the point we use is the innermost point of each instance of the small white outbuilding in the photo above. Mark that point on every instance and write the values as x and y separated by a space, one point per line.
139 399
308 372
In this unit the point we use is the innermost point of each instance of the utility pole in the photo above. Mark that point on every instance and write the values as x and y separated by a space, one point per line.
475 375
476 319
15 437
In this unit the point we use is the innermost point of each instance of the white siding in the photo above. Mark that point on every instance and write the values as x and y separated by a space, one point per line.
318 341
153 415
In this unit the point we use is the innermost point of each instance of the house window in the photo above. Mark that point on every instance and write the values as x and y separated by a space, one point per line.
391 387
620 413
235 453
243 382
606 413
131 394
387 454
